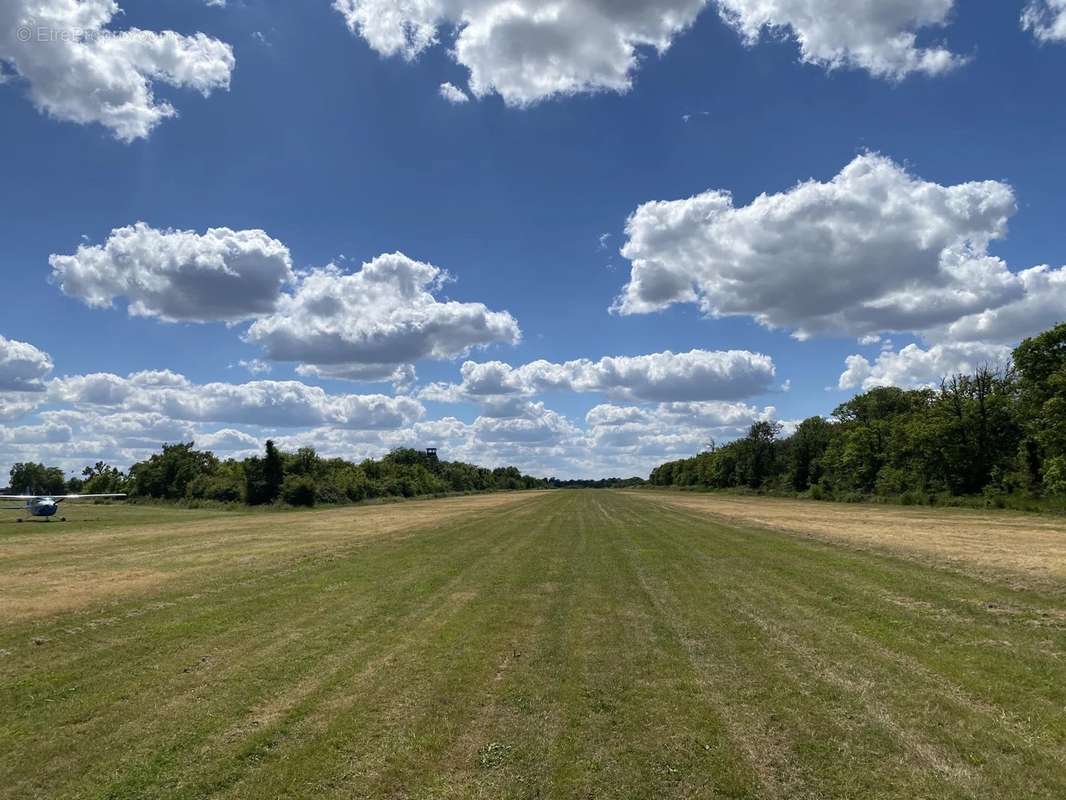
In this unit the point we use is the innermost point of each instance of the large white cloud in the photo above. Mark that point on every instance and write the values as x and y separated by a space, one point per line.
229 442
541 426
128 430
50 433
1046 20
174 275
668 429
23 370
527 50
915 367
696 375
76 68
874 249
23 367
264 403
879 36
366 324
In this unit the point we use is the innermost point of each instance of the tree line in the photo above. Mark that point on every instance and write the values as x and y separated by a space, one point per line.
595 483
180 472
998 433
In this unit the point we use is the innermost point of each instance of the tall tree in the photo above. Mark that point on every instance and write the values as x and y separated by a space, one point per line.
809 444
273 472
168 474
31 478
1041 365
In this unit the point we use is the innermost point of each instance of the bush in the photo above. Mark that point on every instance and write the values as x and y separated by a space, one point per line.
912 498
891 481
220 488
328 491
1055 475
167 475
355 485
298 490
994 497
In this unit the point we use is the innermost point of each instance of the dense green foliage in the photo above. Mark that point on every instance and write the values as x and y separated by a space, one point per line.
36 479
181 472
996 432
304 478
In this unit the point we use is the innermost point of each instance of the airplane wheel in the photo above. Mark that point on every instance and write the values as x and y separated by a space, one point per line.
19 520
62 519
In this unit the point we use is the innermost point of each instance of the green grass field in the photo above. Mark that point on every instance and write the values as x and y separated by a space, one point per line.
552 645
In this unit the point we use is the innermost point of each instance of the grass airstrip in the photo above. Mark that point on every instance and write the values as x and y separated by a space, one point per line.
585 644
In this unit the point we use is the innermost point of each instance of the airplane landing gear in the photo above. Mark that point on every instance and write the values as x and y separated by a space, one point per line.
19 519
62 519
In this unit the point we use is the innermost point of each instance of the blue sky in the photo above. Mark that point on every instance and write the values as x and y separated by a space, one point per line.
324 143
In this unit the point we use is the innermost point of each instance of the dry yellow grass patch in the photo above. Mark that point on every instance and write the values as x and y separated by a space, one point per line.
68 568
977 542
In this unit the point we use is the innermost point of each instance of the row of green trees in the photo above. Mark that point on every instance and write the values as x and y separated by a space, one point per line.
181 472
998 432
595 483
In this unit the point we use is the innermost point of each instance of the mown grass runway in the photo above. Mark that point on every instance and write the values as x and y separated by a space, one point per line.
566 644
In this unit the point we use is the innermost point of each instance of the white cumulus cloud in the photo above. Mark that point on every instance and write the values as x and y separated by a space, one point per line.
659 377
23 367
278 404
646 436
542 427
364 325
915 367
76 68
175 275
1046 20
527 50
879 36
874 249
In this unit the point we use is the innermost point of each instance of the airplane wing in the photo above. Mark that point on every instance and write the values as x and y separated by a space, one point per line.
61 498
57 497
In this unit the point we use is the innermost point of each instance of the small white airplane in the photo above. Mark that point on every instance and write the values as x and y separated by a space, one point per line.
39 505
